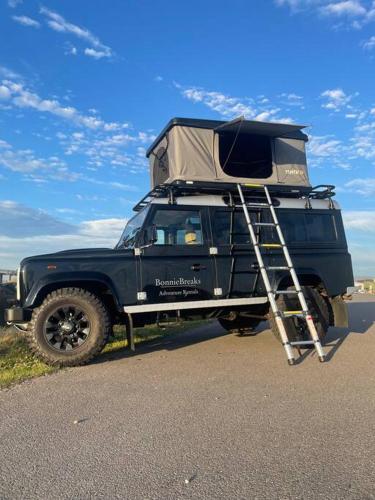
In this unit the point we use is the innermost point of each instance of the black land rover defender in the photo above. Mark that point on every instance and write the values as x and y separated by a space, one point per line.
186 251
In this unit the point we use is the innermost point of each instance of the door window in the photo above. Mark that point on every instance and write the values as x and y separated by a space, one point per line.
178 227
223 220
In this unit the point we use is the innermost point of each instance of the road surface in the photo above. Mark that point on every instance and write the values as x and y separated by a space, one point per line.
203 415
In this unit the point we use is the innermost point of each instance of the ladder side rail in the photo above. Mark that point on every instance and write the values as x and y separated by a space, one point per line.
300 295
266 281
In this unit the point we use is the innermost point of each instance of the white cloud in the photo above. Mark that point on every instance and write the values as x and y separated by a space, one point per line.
361 186
33 167
110 229
231 107
360 220
324 146
292 99
58 23
369 44
345 8
26 21
24 98
351 13
21 160
96 54
8 73
224 105
335 99
4 92
70 50
13 3
18 220
26 231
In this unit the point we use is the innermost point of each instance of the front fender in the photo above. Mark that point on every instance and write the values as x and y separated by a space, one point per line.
68 279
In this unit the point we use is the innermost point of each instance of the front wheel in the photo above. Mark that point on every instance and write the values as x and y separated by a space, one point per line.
69 328
296 328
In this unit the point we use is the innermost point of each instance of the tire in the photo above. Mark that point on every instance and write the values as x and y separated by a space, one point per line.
69 328
239 324
296 327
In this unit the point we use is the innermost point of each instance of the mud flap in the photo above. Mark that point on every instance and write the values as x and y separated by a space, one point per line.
340 312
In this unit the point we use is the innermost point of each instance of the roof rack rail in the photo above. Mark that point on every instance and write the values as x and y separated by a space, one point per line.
192 188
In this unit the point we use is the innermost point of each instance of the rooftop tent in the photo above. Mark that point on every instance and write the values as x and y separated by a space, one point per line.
236 151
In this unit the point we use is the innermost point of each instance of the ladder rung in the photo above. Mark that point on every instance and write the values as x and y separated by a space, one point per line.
257 205
271 245
277 268
271 224
303 342
285 292
292 313
254 185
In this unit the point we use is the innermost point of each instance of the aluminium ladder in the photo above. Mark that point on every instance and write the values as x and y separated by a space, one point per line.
280 315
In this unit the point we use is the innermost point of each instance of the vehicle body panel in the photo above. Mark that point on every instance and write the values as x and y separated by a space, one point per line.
215 268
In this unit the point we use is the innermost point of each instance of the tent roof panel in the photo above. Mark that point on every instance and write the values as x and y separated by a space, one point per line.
271 129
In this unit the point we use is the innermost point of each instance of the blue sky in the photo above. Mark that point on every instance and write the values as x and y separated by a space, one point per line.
85 86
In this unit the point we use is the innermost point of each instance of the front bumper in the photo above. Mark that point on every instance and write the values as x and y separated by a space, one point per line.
15 315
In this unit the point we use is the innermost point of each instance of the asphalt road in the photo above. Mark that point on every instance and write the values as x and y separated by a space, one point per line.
200 415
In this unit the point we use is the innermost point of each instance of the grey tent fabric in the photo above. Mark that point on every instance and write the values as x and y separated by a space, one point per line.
208 153
270 129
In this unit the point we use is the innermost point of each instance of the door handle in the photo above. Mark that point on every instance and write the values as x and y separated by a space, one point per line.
197 267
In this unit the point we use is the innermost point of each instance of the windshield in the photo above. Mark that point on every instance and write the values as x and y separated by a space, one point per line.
131 230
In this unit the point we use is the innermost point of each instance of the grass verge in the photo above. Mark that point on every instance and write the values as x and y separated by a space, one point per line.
17 362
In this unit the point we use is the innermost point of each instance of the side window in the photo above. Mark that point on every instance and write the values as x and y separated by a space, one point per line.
293 226
308 227
178 227
321 227
221 225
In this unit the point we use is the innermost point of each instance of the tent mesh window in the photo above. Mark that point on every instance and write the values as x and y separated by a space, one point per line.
162 163
248 155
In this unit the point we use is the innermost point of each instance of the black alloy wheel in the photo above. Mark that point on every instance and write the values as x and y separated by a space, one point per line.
67 328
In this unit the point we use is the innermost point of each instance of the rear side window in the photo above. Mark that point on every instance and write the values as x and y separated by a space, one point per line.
297 226
308 227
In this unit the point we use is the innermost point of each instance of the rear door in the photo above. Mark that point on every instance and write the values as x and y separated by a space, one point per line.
236 264
178 267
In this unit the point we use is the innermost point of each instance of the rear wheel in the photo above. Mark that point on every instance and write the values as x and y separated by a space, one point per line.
296 328
70 327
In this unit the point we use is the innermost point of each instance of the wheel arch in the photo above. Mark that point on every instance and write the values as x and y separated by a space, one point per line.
313 279
96 283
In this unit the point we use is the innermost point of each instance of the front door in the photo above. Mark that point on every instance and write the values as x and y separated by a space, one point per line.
177 267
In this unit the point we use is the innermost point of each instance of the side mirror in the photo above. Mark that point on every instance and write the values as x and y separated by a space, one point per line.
150 235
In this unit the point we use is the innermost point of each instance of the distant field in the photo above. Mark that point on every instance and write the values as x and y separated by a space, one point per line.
17 362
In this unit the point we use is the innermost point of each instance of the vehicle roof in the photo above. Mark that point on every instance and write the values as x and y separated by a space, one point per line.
271 129
217 200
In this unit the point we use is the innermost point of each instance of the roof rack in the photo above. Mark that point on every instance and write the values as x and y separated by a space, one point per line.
192 188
